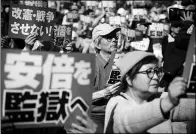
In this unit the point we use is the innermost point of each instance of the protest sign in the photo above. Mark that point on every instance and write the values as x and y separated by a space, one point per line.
24 20
114 75
117 20
36 3
156 30
189 71
42 89
109 4
72 17
141 45
139 13
91 3
62 35
86 19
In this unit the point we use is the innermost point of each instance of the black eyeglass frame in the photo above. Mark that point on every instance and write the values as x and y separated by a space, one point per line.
151 71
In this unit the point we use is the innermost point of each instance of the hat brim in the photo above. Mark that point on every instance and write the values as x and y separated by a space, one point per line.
111 31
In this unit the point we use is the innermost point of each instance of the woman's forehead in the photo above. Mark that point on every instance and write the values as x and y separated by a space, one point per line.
148 66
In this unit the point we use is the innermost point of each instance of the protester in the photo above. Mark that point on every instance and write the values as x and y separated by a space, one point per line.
121 27
136 110
105 42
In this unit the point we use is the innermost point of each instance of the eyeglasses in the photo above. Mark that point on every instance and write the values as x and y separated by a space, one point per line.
150 72
110 37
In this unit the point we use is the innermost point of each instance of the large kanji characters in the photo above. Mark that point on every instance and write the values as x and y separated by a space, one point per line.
16 13
26 19
41 88
27 14
19 73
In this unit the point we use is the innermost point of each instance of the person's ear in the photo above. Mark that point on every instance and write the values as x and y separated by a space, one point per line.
128 80
97 43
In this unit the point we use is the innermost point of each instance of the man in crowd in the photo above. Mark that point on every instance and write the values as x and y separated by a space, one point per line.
105 42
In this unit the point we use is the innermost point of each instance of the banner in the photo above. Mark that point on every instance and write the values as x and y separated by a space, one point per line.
45 89
62 35
114 75
156 30
141 45
139 13
24 20
36 3
189 71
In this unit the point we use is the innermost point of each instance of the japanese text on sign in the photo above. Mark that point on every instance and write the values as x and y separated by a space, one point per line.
115 76
26 19
36 3
156 30
40 88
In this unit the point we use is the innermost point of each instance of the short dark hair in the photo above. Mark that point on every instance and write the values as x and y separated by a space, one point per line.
132 73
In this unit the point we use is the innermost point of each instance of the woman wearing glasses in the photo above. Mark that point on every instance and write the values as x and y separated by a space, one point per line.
139 108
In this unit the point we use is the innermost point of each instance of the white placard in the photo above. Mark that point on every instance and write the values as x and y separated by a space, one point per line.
141 45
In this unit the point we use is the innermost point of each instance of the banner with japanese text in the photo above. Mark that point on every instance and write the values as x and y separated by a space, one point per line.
139 13
62 35
36 3
45 89
24 20
156 30
114 73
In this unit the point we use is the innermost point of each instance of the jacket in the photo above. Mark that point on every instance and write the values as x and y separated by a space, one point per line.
124 115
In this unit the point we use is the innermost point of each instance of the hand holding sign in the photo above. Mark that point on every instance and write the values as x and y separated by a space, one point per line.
30 40
6 126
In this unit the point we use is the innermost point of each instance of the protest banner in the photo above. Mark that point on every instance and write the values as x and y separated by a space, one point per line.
24 20
114 73
41 89
139 13
36 3
62 35
156 30
141 45
189 71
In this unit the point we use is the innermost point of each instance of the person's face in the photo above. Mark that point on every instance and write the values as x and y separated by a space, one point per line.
175 30
108 42
146 83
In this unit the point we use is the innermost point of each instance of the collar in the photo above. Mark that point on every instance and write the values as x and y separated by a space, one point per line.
102 60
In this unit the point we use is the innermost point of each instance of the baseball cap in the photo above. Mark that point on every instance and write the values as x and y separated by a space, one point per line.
103 29
130 60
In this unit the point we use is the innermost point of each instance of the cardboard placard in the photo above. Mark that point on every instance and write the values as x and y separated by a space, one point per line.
114 75
42 89
141 45
24 20
62 35
36 3
72 17
86 19
139 13
108 4
156 30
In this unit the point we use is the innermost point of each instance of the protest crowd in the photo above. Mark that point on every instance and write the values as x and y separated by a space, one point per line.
130 55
